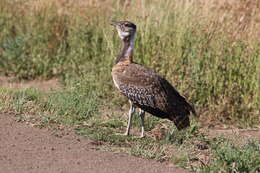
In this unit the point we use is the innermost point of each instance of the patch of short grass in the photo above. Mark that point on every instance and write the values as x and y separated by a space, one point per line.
230 158
70 106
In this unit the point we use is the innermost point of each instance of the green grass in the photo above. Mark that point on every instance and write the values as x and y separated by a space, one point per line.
208 51
230 158
70 106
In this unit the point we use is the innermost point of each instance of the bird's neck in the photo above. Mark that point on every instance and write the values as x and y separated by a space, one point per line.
126 53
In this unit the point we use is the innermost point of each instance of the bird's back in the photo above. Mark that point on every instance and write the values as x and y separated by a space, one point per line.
151 92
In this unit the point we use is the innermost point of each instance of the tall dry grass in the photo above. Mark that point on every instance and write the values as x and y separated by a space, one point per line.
208 49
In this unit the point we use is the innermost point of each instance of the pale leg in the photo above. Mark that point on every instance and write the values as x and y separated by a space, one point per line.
130 115
141 113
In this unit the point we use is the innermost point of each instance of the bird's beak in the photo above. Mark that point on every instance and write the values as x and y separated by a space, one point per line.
113 23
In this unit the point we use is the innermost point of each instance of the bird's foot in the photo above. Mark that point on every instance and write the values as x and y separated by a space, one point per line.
142 136
138 137
127 134
122 134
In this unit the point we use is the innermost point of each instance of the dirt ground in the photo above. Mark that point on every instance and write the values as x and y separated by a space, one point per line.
42 85
28 149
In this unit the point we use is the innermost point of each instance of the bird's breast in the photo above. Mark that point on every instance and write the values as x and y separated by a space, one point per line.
115 81
116 70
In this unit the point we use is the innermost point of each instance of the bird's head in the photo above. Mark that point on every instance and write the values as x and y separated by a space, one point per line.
125 29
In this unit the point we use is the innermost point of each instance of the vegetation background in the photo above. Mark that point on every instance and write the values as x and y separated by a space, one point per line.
208 49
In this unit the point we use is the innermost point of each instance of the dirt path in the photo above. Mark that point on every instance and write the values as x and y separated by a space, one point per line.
9 82
28 149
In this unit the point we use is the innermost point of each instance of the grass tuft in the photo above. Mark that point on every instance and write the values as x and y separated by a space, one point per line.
231 158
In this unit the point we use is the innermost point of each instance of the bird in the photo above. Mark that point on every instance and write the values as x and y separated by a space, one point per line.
145 88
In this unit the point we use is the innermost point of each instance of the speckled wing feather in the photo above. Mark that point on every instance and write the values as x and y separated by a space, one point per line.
152 93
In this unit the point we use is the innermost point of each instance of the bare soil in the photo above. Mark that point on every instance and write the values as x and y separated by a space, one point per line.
28 149
43 85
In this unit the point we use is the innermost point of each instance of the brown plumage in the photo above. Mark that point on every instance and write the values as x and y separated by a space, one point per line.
145 88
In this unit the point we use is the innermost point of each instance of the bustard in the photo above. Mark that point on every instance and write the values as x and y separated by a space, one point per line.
144 88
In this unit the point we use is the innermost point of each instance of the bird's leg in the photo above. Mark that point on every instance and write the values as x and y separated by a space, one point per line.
130 113
141 113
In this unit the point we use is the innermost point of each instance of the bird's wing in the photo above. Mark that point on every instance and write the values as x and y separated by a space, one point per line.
143 86
151 92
